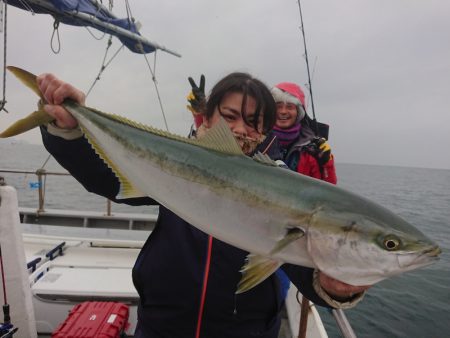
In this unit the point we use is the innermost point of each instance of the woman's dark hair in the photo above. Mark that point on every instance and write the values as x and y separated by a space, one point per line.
249 86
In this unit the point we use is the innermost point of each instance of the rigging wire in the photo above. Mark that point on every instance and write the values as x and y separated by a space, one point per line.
5 35
152 71
155 82
105 63
27 6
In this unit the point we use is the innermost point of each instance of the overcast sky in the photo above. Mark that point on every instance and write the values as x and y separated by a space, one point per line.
381 68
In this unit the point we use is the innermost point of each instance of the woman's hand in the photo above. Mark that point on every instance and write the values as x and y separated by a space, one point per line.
55 91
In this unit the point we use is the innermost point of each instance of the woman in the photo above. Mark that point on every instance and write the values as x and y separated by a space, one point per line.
302 150
186 279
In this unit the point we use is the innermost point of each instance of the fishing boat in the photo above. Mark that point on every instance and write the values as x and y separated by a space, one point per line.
75 256
72 256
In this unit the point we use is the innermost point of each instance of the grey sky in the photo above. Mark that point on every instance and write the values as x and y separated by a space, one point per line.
381 69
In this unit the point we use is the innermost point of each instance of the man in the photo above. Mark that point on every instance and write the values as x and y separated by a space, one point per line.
186 279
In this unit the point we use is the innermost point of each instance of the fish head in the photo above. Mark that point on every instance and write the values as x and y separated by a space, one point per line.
366 246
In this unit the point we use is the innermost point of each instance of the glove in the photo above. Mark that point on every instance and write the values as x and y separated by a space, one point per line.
322 150
196 97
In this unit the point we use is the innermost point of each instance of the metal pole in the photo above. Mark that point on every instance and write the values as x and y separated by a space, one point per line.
39 174
303 318
1 15
343 323
108 207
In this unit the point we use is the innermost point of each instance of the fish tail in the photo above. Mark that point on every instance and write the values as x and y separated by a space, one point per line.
33 120
28 79
36 118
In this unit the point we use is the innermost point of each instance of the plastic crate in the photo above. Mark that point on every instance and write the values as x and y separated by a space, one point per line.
94 320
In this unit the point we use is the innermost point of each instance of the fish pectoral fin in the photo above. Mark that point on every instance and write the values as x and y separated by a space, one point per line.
127 189
220 138
256 270
33 120
291 236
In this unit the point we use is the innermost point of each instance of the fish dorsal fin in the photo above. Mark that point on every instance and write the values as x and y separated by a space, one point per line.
221 139
218 138
127 189
264 159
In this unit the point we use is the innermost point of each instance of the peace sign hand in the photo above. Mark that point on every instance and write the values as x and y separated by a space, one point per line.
196 97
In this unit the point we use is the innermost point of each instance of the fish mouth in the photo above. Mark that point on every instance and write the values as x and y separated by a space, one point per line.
432 252
426 257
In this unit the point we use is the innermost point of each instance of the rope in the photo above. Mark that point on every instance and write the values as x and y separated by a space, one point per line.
89 30
55 29
93 35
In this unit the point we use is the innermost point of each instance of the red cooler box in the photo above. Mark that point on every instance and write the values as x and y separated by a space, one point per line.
94 320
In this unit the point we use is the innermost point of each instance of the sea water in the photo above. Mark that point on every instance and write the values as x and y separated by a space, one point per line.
415 304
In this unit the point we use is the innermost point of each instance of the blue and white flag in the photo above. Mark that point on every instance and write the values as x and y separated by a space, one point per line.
34 185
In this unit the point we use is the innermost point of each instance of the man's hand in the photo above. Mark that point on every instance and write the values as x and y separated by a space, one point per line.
338 290
55 92
196 97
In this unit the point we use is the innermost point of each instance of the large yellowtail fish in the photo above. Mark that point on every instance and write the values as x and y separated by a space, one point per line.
276 214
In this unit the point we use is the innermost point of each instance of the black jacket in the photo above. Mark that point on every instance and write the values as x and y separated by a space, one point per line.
170 268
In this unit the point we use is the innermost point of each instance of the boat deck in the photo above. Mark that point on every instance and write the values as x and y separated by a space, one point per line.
91 248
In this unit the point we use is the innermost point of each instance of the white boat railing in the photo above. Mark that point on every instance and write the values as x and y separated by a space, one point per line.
41 173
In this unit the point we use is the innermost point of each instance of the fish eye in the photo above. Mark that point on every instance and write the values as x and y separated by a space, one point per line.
391 243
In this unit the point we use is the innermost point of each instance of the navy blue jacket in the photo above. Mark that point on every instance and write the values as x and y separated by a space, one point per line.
169 271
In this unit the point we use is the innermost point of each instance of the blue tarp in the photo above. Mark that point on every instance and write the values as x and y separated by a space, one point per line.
61 9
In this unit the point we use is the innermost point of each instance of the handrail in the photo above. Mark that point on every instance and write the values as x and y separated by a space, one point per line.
343 323
42 172
339 316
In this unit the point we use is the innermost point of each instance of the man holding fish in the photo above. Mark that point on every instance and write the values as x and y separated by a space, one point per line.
171 297
194 275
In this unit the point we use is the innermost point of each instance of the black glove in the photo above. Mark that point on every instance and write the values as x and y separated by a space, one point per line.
321 150
196 97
